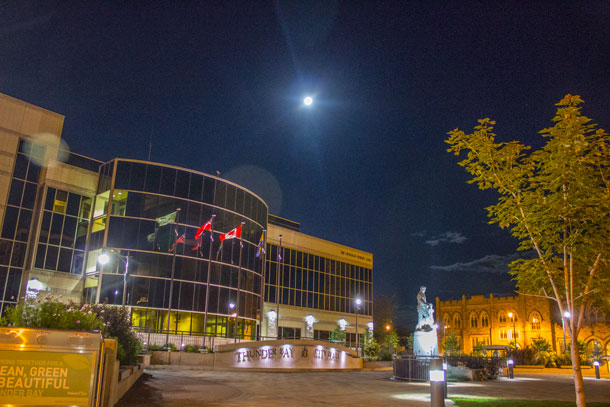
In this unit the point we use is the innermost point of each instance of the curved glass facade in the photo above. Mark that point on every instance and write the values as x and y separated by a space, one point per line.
129 223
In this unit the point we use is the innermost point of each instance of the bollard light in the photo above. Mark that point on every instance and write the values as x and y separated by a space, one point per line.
510 364
596 364
437 383
445 384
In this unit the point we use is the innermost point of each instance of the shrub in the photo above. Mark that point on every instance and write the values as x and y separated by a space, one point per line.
50 312
385 354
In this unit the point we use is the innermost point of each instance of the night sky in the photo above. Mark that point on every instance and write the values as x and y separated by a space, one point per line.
218 86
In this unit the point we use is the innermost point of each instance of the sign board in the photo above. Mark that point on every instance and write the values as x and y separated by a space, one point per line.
48 367
287 354
45 378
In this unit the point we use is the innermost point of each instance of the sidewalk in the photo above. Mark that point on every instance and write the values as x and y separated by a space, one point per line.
586 371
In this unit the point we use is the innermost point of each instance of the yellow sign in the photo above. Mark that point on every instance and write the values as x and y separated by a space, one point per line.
45 378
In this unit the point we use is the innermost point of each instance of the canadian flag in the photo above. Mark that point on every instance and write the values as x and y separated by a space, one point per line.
204 227
232 234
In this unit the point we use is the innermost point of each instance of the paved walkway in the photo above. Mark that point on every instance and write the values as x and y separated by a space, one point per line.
190 388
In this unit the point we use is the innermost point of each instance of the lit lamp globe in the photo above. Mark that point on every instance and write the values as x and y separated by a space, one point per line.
103 258
308 101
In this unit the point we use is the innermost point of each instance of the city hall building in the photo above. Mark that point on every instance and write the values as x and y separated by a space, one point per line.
186 252
492 320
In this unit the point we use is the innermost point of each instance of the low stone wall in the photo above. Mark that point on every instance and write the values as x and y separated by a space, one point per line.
117 380
299 354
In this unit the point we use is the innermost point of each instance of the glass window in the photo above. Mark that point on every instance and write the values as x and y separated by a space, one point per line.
21 166
29 195
67 238
73 204
182 184
50 199
135 204
239 200
196 187
153 177
14 197
168 181
33 173
40 252
220 194
61 199
65 260
23 227
209 188
51 260
77 262
123 170
55 235
18 254
138 174
10 222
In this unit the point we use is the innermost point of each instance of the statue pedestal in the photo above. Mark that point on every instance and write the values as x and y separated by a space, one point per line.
425 343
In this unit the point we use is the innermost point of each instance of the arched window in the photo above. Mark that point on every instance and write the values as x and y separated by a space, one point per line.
446 320
474 321
457 321
484 320
512 317
535 321
502 317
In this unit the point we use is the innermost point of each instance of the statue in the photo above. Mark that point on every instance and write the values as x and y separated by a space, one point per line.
425 339
425 312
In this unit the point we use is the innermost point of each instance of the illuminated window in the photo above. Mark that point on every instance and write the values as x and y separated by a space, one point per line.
484 320
457 322
61 198
535 322
503 334
474 321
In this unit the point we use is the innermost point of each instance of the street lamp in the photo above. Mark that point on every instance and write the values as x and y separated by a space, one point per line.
563 323
104 258
510 315
308 100
358 303
233 314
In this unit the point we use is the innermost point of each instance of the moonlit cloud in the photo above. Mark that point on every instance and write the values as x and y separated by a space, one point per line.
492 263
447 237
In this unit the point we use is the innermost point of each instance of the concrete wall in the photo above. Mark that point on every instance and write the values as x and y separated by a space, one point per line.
116 380
266 355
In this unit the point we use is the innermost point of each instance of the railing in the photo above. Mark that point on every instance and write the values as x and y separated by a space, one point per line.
182 340
412 368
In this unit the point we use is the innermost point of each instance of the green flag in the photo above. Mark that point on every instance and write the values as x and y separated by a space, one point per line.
167 219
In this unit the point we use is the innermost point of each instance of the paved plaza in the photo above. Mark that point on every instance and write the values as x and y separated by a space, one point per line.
190 388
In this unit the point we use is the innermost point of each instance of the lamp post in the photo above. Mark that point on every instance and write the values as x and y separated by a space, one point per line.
104 258
358 303
232 314
510 315
563 323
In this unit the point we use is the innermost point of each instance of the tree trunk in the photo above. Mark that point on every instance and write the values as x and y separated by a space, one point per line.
577 373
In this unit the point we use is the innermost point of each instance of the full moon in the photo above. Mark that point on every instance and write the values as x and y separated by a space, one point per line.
308 101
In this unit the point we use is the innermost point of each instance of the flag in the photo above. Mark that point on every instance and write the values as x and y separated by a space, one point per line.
204 227
178 241
231 234
261 245
167 219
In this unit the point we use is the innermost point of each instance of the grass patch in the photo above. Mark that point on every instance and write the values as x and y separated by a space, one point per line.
495 402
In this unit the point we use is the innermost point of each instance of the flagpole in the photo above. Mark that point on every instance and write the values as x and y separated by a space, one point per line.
277 292
241 240
171 284
207 287
264 273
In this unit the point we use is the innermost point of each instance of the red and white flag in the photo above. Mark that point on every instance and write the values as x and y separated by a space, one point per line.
231 234
204 227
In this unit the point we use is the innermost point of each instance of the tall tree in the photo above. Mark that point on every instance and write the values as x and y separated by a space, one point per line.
556 201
